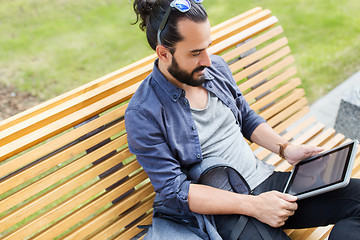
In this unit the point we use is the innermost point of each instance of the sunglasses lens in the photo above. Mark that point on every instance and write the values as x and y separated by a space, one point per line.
181 5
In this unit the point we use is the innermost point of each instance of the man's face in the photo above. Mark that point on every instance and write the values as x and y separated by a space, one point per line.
190 57
183 76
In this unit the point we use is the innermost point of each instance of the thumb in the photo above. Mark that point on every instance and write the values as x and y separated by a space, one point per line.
317 150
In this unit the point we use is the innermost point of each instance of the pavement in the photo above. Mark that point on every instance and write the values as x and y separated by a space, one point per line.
326 108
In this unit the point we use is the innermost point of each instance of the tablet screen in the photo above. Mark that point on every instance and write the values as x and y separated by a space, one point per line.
320 171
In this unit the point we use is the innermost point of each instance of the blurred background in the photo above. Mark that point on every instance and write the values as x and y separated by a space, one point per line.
50 47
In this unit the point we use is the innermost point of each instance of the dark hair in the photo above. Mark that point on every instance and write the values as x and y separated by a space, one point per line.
151 12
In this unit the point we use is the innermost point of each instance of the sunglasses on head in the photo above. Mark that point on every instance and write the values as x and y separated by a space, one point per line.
182 6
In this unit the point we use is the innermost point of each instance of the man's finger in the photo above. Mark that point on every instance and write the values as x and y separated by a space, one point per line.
287 197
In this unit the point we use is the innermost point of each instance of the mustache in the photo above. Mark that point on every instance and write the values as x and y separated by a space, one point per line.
200 68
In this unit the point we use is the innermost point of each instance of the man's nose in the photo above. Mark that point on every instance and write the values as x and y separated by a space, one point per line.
205 59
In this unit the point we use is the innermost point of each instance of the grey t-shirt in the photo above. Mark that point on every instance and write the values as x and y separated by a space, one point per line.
220 136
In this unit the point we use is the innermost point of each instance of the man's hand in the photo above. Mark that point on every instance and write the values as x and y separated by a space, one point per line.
295 153
274 208
266 137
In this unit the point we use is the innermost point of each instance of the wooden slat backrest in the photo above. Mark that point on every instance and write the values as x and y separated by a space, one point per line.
66 171
122 80
147 61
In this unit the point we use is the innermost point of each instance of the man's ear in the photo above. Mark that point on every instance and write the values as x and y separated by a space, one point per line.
163 53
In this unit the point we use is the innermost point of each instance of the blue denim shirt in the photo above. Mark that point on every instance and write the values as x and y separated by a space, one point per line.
162 133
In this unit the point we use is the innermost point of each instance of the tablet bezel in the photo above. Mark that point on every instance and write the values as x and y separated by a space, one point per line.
352 145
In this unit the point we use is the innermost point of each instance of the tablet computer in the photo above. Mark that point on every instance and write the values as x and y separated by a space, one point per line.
325 172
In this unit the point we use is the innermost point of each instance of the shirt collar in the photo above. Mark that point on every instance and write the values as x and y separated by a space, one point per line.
171 90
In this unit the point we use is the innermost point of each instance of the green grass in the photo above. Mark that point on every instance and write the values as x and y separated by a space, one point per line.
49 47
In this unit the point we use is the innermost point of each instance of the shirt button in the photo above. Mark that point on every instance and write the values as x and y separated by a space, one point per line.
198 156
193 127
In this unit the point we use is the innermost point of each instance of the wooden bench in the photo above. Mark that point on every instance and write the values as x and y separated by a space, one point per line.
66 171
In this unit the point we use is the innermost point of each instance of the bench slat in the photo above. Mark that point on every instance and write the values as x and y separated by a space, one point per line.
282 104
124 221
293 234
87 210
256 41
83 231
30 140
288 112
59 191
61 157
271 84
299 128
240 37
335 141
134 230
235 19
63 140
241 25
322 137
274 95
291 120
304 138
304 234
320 233
234 67
76 104
52 103
78 199
258 78
356 171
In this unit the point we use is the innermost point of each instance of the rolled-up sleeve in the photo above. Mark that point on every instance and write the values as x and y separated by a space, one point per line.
147 140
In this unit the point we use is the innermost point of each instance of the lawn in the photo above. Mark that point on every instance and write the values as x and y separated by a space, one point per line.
49 47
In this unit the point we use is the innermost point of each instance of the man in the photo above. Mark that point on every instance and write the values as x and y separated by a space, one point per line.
189 111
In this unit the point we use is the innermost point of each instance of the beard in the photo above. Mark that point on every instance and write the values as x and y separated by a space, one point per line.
184 76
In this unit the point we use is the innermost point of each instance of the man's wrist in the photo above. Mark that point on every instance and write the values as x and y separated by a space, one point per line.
247 205
282 148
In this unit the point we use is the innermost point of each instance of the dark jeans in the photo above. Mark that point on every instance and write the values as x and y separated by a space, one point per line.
340 207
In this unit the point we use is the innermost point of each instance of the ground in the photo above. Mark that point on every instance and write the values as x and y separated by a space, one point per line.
13 101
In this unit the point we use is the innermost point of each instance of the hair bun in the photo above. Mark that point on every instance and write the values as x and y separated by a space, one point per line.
145 6
143 9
